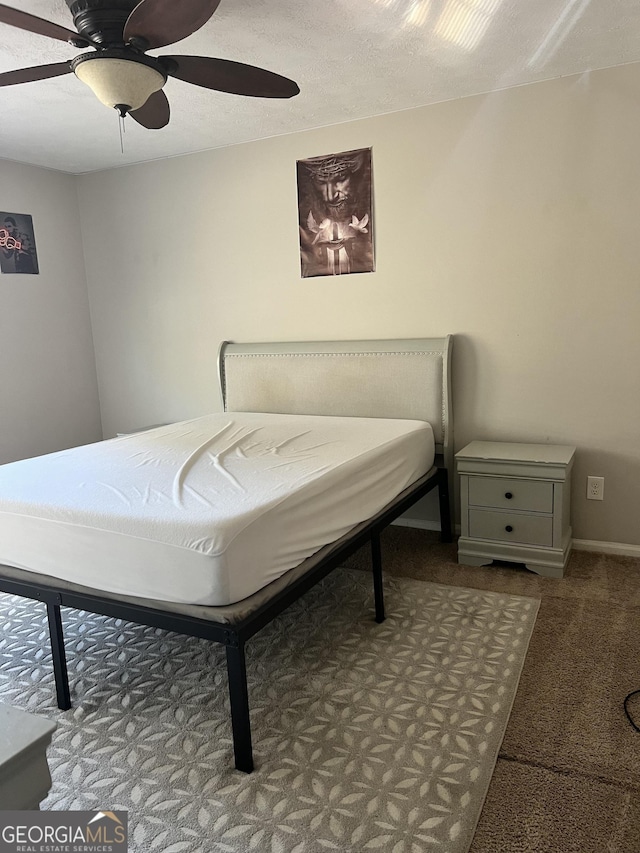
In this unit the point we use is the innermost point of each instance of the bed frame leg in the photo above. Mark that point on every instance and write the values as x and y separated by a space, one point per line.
376 562
239 697
59 659
446 534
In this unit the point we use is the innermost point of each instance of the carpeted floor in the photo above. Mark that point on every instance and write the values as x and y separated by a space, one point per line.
567 779
568 774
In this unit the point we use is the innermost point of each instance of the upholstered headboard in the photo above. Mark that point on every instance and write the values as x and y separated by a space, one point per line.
368 379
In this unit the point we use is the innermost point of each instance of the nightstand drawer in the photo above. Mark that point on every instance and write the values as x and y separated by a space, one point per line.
511 527
499 492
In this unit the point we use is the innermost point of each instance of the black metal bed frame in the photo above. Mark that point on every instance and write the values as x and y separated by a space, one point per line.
232 635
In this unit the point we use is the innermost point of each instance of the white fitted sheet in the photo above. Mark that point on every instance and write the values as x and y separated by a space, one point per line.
206 511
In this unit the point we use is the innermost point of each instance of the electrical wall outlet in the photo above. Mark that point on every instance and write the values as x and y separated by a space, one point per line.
595 488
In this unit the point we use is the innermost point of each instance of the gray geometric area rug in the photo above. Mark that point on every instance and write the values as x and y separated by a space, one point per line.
366 736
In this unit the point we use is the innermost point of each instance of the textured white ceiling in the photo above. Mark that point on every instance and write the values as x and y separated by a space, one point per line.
351 58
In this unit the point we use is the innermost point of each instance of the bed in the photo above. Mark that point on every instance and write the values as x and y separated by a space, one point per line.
213 526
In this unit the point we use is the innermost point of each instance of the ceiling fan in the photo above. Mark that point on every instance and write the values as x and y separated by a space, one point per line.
119 70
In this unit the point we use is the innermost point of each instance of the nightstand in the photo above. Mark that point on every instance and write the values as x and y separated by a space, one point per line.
515 503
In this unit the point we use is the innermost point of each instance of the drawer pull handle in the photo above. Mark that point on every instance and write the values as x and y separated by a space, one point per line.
508 495
509 528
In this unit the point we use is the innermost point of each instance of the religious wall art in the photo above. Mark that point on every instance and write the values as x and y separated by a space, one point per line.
17 244
335 213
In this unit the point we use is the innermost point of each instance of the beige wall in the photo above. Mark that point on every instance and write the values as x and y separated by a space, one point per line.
48 389
510 220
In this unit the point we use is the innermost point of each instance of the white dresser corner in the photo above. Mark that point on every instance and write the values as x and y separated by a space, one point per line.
25 779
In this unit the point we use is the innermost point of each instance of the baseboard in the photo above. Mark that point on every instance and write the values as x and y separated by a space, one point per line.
618 548
421 524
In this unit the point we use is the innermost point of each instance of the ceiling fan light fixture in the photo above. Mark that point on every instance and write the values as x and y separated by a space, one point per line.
120 79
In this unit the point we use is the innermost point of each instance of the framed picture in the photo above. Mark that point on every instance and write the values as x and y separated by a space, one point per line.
335 214
17 244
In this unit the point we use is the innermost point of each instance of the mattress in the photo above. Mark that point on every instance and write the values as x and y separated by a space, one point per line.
206 511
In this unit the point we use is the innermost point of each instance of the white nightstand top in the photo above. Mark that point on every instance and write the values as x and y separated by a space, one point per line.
506 451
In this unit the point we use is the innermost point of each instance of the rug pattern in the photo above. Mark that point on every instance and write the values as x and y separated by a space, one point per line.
366 737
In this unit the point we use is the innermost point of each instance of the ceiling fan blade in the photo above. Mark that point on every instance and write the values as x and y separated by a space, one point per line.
38 72
163 22
224 75
155 113
25 21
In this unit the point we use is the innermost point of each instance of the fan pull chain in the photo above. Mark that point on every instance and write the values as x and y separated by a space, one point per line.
122 131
